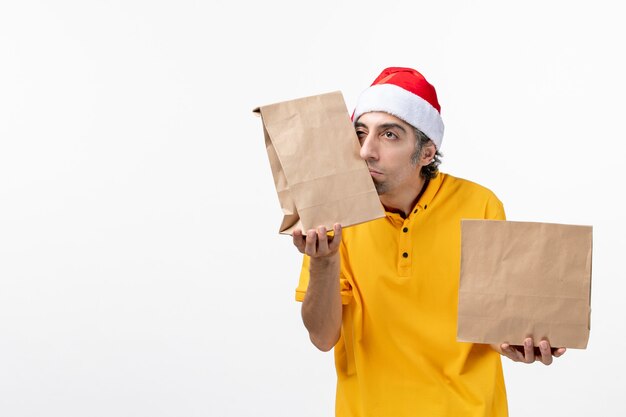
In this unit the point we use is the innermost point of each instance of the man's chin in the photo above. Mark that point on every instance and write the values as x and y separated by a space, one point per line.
381 188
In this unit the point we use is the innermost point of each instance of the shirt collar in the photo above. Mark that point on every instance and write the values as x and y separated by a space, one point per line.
431 190
427 196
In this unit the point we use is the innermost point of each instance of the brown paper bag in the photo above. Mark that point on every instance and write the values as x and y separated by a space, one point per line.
523 279
314 155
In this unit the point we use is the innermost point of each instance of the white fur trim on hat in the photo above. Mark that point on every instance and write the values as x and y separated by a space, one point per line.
411 108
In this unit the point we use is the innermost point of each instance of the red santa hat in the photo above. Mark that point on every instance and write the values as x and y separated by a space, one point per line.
404 93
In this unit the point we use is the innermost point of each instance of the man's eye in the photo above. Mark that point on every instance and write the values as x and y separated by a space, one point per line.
390 135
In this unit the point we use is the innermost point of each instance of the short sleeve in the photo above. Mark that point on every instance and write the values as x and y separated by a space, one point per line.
494 209
344 282
303 283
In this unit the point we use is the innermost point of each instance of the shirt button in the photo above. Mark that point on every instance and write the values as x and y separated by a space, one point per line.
415 211
405 255
406 229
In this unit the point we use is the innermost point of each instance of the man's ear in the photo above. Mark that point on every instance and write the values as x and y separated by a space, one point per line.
428 153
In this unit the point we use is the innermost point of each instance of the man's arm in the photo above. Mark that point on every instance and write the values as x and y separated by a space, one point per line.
528 353
321 308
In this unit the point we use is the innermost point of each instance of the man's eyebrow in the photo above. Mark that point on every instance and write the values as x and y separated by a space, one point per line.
383 126
392 125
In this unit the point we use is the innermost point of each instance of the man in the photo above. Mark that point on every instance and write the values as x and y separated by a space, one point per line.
384 293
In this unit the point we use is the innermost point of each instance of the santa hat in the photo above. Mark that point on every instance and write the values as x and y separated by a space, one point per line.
404 93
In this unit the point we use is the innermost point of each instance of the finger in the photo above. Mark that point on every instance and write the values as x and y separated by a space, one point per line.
336 240
529 350
512 353
311 242
559 352
546 352
322 239
505 348
298 240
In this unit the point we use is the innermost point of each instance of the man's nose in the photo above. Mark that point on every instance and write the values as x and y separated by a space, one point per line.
368 150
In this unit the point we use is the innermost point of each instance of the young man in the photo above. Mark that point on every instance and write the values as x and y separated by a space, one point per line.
384 293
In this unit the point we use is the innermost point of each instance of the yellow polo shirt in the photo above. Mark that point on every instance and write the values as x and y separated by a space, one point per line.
398 355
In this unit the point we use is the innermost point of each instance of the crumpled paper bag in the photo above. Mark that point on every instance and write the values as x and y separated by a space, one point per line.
314 156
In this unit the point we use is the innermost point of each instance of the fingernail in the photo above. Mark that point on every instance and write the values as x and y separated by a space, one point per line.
528 342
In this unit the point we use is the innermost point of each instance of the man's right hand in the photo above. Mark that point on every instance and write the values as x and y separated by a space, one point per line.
321 308
316 243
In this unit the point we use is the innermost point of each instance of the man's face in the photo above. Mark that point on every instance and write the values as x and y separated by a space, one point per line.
387 145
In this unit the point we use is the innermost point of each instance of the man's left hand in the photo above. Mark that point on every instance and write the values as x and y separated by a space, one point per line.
528 353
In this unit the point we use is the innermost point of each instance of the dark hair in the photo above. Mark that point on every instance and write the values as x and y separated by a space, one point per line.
431 170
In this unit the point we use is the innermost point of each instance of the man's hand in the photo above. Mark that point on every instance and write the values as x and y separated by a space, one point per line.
528 353
316 243
321 308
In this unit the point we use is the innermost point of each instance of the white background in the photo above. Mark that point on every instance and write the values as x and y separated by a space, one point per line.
141 271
